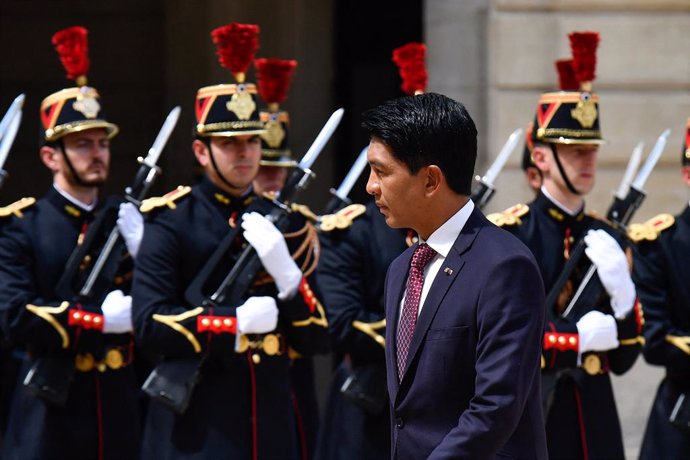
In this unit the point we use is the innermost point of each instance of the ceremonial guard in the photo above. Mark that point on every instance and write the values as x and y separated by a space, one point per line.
79 398
599 333
664 247
273 79
222 386
357 248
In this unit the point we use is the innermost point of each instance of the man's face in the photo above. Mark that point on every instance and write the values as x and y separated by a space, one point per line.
270 179
89 153
579 164
398 193
237 158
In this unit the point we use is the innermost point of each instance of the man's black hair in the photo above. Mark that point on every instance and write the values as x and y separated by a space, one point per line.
428 129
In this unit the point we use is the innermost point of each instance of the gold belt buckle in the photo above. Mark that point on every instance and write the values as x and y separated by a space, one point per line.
85 362
271 345
114 359
592 364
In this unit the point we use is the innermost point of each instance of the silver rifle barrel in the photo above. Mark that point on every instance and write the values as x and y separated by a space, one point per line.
502 157
351 178
654 155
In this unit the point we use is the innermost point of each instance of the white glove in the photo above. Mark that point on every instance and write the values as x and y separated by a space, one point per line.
117 313
612 266
257 315
270 245
597 332
131 226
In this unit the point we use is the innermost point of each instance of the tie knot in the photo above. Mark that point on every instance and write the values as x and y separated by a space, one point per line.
422 255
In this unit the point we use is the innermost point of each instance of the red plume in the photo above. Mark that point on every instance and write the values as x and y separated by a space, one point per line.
273 78
410 61
584 48
566 75
73 48
236 45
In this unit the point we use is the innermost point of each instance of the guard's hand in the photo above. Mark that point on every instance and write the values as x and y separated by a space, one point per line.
270 245
612 266
117 313
597 332
257 315
130 223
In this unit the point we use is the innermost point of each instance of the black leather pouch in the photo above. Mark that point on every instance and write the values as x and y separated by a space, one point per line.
50 378
172 382
366 387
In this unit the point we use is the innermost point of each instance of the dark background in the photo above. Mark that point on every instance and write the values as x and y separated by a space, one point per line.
148 56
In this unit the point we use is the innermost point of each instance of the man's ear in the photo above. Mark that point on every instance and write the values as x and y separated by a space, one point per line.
49 158
434 179
540 157
685 173
201 152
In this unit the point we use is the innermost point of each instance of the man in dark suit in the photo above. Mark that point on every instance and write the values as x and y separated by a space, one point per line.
464 306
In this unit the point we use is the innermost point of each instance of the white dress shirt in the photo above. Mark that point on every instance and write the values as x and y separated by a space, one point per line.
441 241
70 198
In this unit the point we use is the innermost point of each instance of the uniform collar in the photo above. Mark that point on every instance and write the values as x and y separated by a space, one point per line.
557 212
685 215
68 205
222 199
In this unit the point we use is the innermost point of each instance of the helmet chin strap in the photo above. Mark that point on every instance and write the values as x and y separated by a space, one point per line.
207 141
77 178
568 184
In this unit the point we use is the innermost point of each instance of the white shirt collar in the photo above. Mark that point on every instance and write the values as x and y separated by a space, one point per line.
71 199
443 238
558 203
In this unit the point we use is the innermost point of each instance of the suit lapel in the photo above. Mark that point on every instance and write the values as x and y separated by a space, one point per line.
444 279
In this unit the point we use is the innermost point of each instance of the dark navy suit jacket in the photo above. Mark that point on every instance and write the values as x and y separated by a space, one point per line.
471 388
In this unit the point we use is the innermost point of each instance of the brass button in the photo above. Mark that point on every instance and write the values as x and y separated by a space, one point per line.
84 363
271 345
114 359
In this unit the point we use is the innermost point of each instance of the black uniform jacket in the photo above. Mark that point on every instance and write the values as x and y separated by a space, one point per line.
580 407
242 403
102 408
357 248
664 247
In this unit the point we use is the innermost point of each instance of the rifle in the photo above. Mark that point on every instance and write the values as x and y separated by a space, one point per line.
103 244
172 381
484 190
627 200
9 125
340 198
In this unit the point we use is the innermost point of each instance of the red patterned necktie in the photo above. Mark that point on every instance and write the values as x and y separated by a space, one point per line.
408 317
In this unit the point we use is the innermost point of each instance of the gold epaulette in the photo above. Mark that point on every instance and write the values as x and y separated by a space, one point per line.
370 330
341 219
168 199
510 216
651 229
17 207
173 321
305 211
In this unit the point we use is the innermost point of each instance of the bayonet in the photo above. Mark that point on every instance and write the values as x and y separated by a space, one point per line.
484 189
340 195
